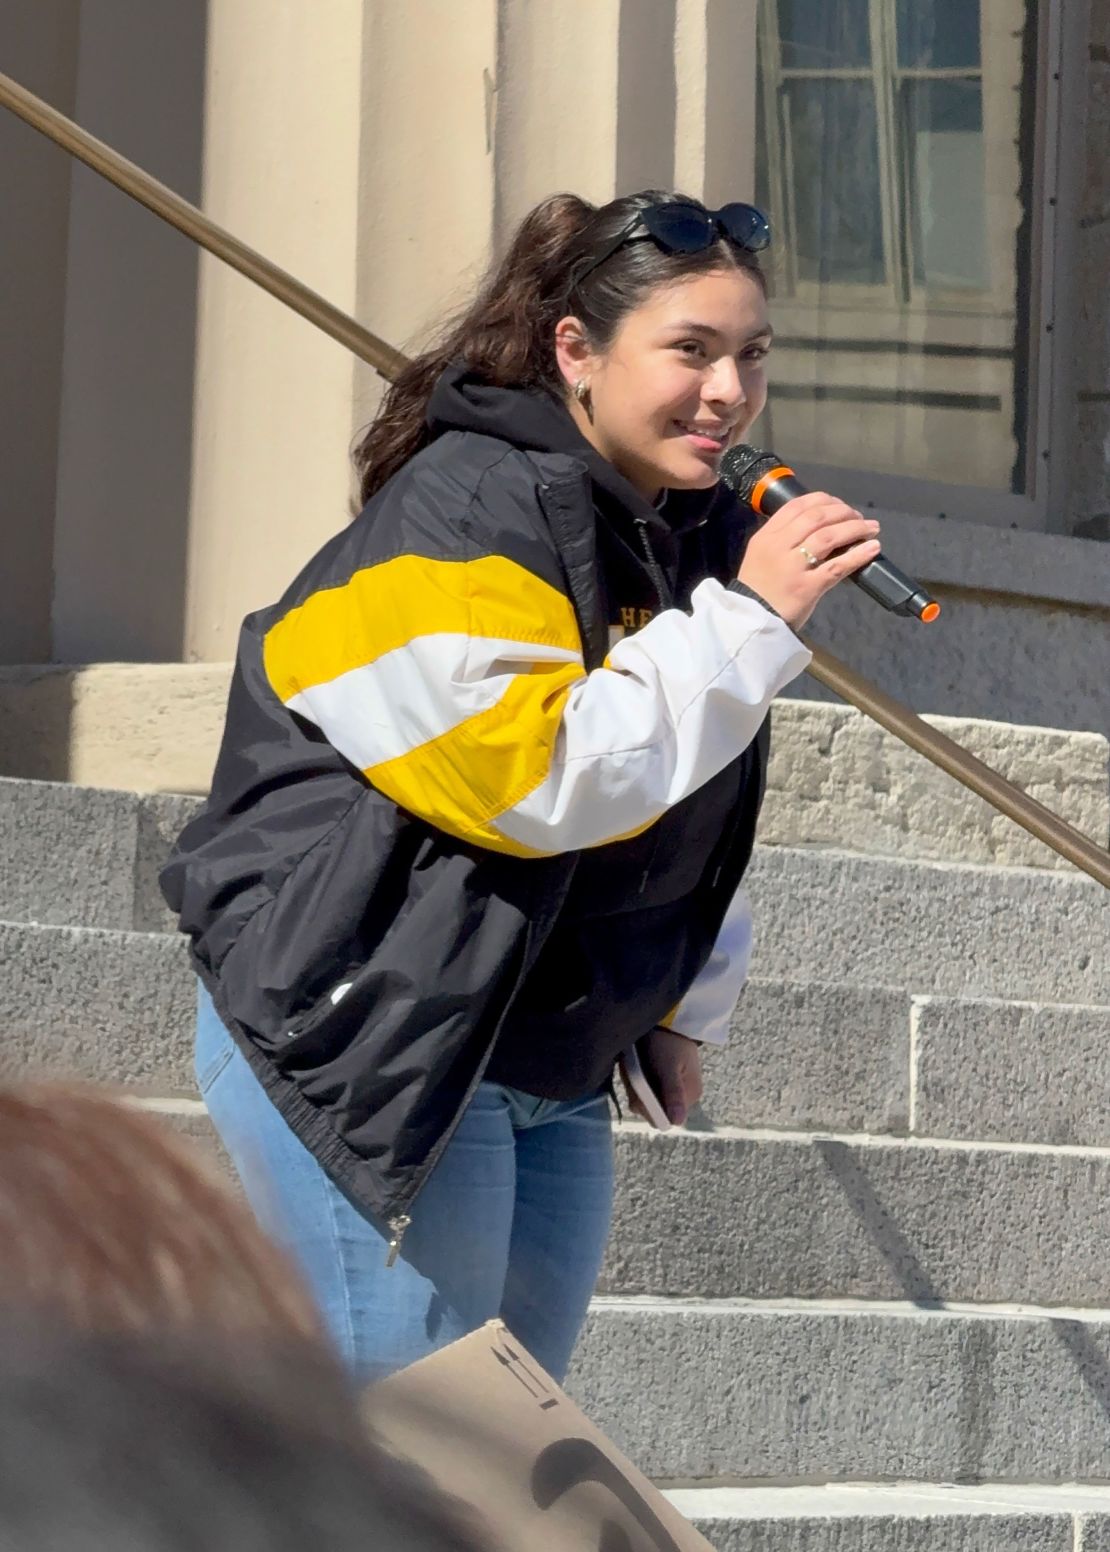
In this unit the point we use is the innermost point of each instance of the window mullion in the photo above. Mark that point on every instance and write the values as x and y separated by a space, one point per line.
883 73
779 173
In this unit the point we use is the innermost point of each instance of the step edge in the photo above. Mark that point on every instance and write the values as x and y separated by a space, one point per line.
884 1500
659 1306
863 1140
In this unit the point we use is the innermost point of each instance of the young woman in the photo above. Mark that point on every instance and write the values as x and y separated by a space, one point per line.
490 778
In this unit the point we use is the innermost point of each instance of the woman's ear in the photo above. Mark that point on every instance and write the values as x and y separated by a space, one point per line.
572 352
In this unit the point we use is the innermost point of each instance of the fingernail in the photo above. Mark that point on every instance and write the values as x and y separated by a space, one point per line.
676 1115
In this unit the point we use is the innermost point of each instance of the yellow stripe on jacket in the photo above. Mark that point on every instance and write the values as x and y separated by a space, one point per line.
399 667
386 606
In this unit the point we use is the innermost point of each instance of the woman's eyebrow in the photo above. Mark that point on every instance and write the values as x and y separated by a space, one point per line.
689 326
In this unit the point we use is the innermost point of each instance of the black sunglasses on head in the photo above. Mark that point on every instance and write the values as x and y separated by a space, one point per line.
679 227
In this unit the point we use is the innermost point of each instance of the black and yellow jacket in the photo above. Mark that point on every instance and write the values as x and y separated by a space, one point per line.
487 788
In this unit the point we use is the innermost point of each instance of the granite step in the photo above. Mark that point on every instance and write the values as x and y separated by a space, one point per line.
89 856
903 1517
933 928
829 1056
766 1215
771 1219
826 1056
837 779
842 1390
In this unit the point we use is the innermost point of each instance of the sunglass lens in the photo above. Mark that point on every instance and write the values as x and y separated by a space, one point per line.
681 228
746 226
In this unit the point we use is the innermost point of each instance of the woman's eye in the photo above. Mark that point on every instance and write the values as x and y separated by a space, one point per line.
756 353
692 348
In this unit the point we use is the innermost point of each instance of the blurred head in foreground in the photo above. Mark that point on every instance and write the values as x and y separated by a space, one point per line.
128 1443
110 1221
164 1383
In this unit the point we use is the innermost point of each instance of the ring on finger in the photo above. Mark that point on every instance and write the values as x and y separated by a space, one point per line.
808 556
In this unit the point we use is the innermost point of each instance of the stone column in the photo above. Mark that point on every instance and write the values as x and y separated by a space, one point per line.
556 105
381 159
130 327
38 47
283 94
425 175
540 98
715 81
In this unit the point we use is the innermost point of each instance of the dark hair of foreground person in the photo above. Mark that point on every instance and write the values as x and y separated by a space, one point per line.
138 1443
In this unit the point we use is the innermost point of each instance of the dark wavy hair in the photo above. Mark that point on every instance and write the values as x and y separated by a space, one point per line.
507 334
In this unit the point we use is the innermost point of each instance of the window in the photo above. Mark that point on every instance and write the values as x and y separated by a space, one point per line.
895 154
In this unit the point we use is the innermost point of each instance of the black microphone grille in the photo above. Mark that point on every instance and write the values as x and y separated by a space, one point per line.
743 467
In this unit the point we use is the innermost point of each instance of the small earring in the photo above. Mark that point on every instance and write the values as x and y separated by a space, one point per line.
582 394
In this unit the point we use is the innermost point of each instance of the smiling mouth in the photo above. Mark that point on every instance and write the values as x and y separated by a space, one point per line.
717 435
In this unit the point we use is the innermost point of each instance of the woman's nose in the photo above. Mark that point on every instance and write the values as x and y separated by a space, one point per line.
726 386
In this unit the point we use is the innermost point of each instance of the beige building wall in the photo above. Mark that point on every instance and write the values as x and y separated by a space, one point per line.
182 441
202 431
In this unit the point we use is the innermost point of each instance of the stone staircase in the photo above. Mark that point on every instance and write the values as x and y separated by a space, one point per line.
864 1301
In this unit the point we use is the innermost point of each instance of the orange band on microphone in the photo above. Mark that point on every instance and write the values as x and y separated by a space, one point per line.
930 612
768 479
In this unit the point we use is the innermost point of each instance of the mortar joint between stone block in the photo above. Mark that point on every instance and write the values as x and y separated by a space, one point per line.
916 1005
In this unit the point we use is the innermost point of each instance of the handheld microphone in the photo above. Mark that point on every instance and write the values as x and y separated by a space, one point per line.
764 482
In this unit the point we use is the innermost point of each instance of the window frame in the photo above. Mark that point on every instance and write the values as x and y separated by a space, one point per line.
1057 145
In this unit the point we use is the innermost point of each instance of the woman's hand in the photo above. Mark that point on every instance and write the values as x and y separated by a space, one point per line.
808 546
672 1065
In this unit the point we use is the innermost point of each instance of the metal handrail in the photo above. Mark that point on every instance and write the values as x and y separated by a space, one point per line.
944 752
188 219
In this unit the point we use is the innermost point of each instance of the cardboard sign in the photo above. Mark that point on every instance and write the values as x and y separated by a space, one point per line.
491 1428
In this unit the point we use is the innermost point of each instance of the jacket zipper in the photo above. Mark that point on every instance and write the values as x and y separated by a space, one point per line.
397 1227
399 1223
655 570
662 592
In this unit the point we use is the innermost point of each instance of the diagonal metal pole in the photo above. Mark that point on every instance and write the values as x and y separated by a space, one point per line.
195 224
959 763
1025 811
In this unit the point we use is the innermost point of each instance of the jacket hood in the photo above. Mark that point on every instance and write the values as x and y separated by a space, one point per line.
533 419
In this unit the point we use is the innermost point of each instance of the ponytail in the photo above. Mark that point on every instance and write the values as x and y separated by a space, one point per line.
506 335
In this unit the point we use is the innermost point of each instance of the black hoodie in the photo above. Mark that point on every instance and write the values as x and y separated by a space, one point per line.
652 555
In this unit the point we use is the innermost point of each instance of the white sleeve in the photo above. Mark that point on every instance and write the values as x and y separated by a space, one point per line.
706 1010
673 705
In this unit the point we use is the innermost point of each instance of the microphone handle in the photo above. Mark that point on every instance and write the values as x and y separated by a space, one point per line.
880 579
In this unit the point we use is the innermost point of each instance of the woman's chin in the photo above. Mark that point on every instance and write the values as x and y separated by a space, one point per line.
693 477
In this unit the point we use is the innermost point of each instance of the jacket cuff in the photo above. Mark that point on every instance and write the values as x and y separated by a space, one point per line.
736 586
669 1029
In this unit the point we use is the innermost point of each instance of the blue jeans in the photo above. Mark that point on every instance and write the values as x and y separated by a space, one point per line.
511 1223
